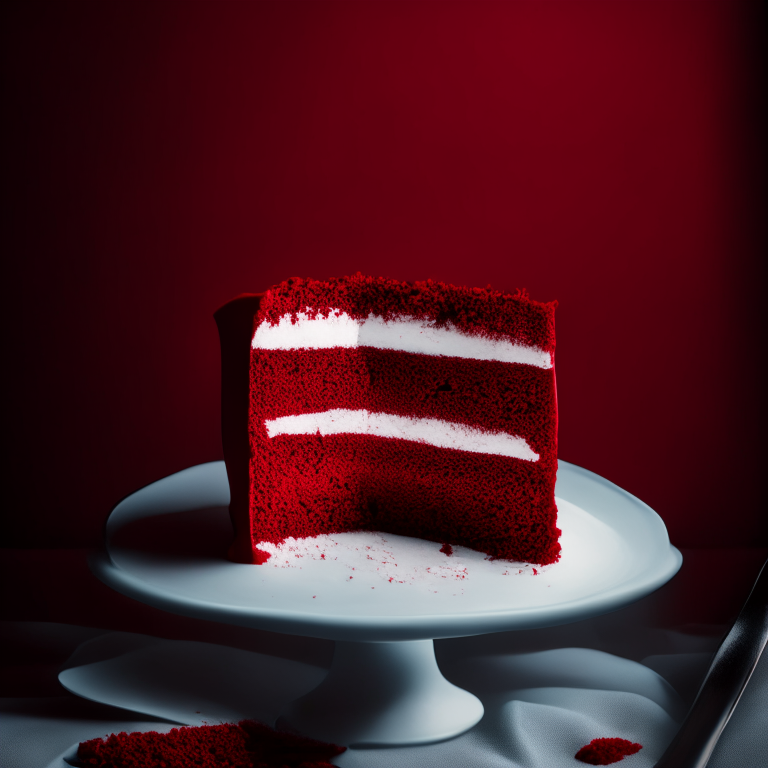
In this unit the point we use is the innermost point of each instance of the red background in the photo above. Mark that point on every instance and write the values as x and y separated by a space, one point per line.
164 157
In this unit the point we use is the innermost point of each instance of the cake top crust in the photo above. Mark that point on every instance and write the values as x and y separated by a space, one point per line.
476 311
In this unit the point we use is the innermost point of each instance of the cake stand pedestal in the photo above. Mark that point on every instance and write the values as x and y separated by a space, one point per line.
382 598
384 693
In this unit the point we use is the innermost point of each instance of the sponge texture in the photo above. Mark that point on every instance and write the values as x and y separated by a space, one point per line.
329 482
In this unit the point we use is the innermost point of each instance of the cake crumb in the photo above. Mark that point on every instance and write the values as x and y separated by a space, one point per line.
606 751
416 564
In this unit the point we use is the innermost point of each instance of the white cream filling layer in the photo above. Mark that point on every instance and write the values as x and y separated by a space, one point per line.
403 334
442 434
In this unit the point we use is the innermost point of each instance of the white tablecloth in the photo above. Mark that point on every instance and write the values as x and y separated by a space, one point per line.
544 698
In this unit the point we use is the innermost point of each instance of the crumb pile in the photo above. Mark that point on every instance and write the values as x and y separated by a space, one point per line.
389 559
248 744
606 751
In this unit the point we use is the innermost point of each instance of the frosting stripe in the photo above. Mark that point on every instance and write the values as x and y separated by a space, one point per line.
442 434
404 334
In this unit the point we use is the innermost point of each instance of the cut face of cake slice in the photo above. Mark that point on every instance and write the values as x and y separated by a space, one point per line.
421 409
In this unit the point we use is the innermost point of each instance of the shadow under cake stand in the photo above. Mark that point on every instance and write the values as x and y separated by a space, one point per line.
382 598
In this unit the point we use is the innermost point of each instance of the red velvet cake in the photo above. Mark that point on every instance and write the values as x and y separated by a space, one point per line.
421 409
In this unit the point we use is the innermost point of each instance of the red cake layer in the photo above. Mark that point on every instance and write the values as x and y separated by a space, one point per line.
507 397
350 482
474 310
303 485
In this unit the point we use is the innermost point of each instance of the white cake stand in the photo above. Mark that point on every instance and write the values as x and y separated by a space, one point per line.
382 598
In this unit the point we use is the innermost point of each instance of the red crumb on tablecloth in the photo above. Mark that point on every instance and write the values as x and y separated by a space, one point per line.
246 745
447 549
606 751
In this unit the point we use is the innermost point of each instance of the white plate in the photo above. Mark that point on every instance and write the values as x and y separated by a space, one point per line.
165 546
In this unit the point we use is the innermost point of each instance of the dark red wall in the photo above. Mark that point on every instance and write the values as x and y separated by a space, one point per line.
163 157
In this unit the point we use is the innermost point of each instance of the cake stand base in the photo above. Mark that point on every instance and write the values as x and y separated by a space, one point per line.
382 598
383 694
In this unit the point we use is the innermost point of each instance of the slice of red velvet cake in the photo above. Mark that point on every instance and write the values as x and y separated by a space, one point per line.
421 409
